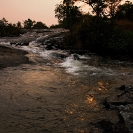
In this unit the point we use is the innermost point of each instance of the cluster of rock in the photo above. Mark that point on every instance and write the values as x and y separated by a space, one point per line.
123 107
49 39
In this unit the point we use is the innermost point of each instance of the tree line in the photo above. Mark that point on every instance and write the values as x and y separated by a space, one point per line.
9 29
107 29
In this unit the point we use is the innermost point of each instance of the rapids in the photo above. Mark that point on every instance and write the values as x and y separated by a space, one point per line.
60 94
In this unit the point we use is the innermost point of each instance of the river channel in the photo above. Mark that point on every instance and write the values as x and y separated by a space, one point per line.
64 95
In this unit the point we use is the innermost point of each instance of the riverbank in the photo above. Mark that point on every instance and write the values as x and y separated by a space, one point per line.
12 57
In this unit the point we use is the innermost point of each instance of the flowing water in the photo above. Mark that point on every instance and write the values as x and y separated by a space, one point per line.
60 94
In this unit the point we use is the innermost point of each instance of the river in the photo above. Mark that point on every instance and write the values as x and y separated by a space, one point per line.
62 91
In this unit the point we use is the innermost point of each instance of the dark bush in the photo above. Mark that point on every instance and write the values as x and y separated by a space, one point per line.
99 36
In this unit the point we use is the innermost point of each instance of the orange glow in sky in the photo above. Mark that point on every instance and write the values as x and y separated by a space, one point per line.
38 10
20 10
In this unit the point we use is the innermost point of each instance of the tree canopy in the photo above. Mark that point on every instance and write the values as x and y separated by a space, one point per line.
39 25
101 8
9 29
125 11
105 31
68 14
28 24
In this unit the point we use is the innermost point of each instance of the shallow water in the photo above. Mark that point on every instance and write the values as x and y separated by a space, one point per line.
61 95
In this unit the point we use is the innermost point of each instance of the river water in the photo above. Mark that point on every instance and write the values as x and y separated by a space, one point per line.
63 92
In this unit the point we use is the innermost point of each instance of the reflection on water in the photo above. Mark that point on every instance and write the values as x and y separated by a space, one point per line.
69 112
45 94
92 104
101 86
90 99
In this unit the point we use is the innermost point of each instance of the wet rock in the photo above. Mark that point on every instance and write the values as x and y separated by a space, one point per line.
12 43
123 87
123 93
105 125
120 127
48 47
121 118
120 103
80 52
127 90
18 44
76 57
106 104
59 55
54 48
24 44
45 131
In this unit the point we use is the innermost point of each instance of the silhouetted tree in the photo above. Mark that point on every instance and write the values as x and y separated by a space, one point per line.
19 25
68 14
8 29
125 11
102 8
112 7
39 25
55 26
4 22
28 24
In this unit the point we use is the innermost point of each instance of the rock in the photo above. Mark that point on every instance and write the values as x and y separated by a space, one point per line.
106 104
53 47
76 57
122 87
48 47
11 43
123 93
120 127
58 55
18 44
105 125
25 44
108 127
120 103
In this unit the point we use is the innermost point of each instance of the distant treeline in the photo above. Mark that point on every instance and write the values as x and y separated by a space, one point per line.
9 29
107 30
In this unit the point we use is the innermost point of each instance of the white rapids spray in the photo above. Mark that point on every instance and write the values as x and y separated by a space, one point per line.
77 67
37 43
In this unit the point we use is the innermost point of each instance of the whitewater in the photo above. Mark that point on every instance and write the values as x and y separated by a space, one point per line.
62 91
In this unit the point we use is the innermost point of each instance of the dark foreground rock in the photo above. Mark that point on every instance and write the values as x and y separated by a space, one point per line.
122 103
12 57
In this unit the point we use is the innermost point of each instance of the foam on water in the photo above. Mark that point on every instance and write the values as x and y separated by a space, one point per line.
27 48
4 43
46 53
76 66
41 38
83 57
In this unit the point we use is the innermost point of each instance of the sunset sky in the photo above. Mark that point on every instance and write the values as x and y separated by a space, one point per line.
20 10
